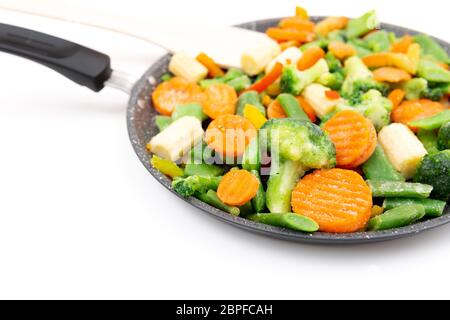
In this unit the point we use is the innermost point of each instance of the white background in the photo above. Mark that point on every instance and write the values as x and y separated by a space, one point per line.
81 218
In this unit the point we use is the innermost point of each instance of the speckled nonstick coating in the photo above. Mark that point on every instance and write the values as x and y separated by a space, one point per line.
141 127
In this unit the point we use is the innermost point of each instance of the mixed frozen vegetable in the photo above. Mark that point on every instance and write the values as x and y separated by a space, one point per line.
340 127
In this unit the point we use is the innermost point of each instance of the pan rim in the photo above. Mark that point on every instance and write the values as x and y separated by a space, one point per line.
135 102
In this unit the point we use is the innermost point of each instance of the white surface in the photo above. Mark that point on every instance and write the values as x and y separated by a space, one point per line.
225 44
81 218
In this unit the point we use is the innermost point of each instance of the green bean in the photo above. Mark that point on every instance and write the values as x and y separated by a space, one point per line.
433 72
396 218
232 74
431 123
443 139
431 48
433 208
203 169
291 106
162 122
240 83
396 189
192 109
251 158
250 97
212 199
378 167
429 140
259 201
166 77
205 83
286 220
246 209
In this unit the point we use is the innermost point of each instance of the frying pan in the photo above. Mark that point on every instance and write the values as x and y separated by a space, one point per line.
93 70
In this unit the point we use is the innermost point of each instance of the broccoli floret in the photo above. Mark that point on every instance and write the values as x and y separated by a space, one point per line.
443 139
333 80
360 87
415 88
190 185
435 170
294 81
359 80
376 108
296 146
299 140
334 64
436 92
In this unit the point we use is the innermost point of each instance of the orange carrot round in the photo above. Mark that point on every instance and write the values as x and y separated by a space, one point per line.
396 97
173 92
310 58
220 99
307 108
341 50
354 137
338 200
403 44
414 110
268 79
281 34
389 74
213 69
297 23
230 134
237 187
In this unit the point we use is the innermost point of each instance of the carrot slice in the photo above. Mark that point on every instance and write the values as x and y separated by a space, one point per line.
330 24
338 200
341 50
174 92
213 69
310 58
415 110
268 79
275 110
403 44
237 187
368 153
407 62
230 134
396 97
354 137
389 74
332 95
220 99
280 34
307 108
297 23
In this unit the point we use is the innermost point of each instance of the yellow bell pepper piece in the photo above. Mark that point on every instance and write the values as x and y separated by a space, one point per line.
254 115
167 167
301 12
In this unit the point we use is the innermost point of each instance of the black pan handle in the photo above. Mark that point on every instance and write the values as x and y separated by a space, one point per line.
82 65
